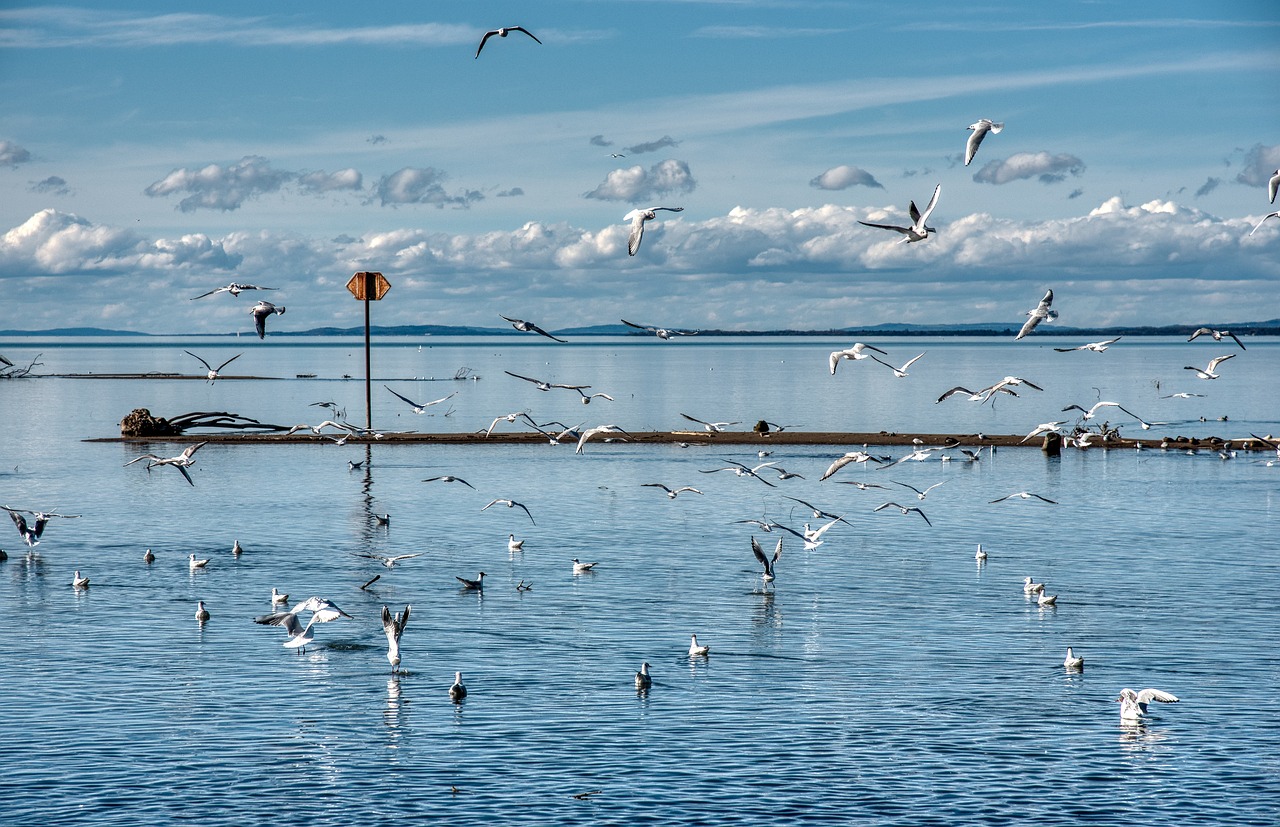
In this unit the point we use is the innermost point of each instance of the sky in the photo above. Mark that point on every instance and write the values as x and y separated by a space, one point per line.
148 156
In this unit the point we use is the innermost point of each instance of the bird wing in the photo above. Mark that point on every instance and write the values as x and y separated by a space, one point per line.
933 202
210 293
523 29
1148 695
1213 364
483 41
197 358
1204 331
224 364
525 378
637 230
971 146
909 363
402 397
185 474
1236 338
542 332
759 553
1028 326
893 227
260 321
953 392
640 326
1272 186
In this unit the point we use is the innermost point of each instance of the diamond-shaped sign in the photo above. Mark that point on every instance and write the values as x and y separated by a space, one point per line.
373 285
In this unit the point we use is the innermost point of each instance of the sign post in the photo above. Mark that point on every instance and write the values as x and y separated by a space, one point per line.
367 287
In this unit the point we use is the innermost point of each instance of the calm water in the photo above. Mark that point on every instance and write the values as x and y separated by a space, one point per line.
885 678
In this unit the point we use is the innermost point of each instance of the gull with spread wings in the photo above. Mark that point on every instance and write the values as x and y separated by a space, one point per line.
529 327
919 229
417 407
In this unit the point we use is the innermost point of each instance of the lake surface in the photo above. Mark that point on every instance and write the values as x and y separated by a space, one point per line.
885 677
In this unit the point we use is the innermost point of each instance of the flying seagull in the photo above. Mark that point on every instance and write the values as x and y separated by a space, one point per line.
637 219
1217 335
842 461
902 371
599 429
420 407
766 561
450 478
919 229
672 493
661 332
1042 313
182 461
546 386
713 427
1024 495
855 353
1210 371
260 312
511 504
1273 185
31 534
1258 226
234 288
980 130
503 32
529 327
394 627
387 560
213 372
1096 347
904 509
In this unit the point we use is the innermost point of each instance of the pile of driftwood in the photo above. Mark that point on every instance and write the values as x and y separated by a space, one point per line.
8 370
140 422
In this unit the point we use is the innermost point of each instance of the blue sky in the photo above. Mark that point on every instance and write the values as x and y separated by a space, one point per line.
147 156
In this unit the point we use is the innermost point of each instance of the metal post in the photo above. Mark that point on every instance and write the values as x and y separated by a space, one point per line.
368 376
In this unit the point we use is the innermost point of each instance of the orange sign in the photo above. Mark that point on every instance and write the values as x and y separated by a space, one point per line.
372 285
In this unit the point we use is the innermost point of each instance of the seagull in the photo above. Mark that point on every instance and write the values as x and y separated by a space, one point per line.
202 614
980 555
904 509
976 396
1072 661
818 513
637 219
599 429
1258 226
664 333
586 398
260 312
457 692
194 564
182 461
394 627
1089 414
1096 347
1045 428
79 582
1024 495
1273 185
278 598
1209 372
148 557
322 611
863 486
503 32
213 372
813 536
1031 587
742 471
1133 705
514 545
712 427
980 130
696 650
511 504
388 561
546 386
580 567
420 408
476 585
919 494
672 493
643 681
842 461
234 288
1217 335
1042 313
902 371
1046 599
919 229
529 327
766 561
30 534
1182 395
854 353
450 478
511 417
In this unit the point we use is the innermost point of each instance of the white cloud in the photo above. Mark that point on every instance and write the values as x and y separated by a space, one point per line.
843 177
1048 168
636 184
53 185
11 154
320 182
218 187
412 185
1260 163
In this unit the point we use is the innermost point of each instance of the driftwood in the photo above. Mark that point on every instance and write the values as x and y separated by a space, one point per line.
8 370
140 422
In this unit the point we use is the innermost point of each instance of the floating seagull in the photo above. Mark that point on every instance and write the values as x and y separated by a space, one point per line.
766 561
1096 347
899 372
394 627
278 598
194 564
514 545
712 427
1042 313
596 431
260 312
643 681
530 327
672 493
1073 661
919 229
182 461
511 504
1258 226
1024 495
980 130
503 32
387 560
637 219
1133 705
980 555
661 332
1029 586
234 288
213 372
450 478
1217 335
457 692
202 614
919 494
580 567
850 457
1047 599
148 557
695 650
904 509
420 408
854 353
476 585
1209 372
79 582
1045 428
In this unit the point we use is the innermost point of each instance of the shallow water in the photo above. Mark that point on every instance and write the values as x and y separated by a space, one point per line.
884 678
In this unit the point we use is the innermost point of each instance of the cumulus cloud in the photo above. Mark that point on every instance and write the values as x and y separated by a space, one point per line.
53 185
1260 163
217 187
511 193
599 140
1208 186
843 177
1050 169
321 182
635 184
652 146
11 154
412 185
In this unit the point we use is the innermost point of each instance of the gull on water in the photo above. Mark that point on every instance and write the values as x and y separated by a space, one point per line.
1045 599
450 478
1029 586
697 650
260 312
457 691
643 681
1133 705
1096 347
322 611
672 493
236 548
1023 495
1258 226
902 371
394 627
79 582
511 504
580 567
1041 313
980 130
919 229
212 375
712 427
1072 660
503 32
813 536
904 509
855 353
980 555
193 563
476 585
514 545
1211 371
234 288
182 461
638 219
529 327
148 557
202 614
278 597
417 407
663 333
765 560
1216 335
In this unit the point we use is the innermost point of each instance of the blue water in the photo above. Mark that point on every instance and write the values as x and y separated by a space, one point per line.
884 678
